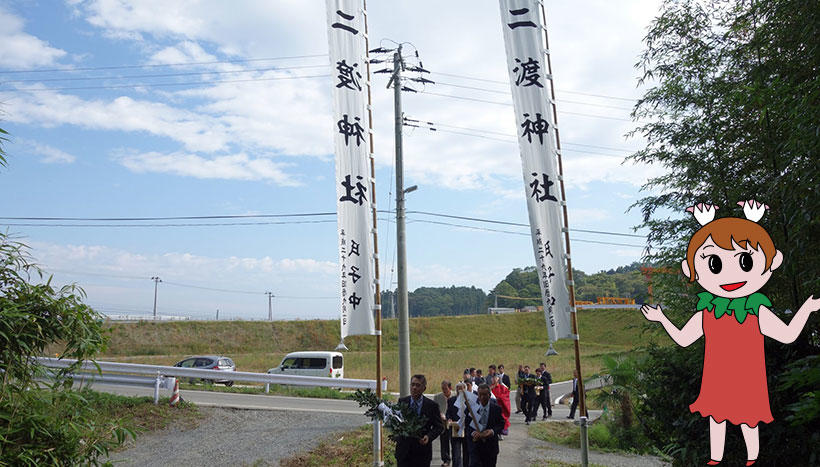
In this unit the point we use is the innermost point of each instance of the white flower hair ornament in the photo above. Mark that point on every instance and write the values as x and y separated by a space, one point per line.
704 213
753 210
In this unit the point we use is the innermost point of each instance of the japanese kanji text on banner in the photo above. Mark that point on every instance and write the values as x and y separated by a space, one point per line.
525 45
351 137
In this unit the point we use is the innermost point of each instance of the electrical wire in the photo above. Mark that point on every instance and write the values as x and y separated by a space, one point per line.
170 218
426 213
172 225
508 104
123 67
507 93
163 75
523 233
151 85
506 83
177 284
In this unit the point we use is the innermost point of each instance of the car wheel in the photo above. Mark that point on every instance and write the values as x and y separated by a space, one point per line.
228 383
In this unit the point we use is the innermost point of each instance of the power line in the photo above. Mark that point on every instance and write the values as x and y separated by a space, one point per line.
511 141
524 233
123 67
163 75
507 93
212 288
151 85
120 219
506 83
222 224
517 224
508 104
170 218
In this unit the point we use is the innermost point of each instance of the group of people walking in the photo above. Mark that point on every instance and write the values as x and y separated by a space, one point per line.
533 392
472 416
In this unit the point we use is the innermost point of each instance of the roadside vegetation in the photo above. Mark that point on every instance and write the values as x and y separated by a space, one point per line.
50 423
351 448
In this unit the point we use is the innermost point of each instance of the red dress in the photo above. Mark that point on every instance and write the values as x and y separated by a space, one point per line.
502 398
734 372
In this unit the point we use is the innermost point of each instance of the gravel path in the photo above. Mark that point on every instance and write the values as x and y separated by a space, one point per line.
236 437
263 437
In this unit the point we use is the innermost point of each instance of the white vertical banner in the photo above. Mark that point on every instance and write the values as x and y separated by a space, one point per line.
524 41
351 138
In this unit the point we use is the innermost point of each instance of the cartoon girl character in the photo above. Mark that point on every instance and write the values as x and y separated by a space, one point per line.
732 258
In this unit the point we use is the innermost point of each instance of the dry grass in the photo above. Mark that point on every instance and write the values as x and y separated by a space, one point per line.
353 448
441 347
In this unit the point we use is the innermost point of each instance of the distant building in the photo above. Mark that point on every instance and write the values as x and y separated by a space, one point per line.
498 311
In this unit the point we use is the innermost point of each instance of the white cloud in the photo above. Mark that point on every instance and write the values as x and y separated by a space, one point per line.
246 29
293 117
48 108
184 52
182 267
22 50
117 281
51 155
230 167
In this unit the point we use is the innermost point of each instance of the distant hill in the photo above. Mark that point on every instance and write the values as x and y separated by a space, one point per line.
624 281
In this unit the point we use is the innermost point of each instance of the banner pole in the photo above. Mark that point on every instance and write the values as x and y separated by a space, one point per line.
583 415
378 454
573 314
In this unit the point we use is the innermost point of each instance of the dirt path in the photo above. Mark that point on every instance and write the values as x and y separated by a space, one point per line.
236 437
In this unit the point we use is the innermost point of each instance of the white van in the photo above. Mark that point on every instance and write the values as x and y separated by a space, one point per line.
329 364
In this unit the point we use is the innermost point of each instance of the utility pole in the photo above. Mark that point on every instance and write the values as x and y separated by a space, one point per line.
399 65
404 315
217 314
156 280
270 308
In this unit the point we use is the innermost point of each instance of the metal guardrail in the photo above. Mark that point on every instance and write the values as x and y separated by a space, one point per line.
158 372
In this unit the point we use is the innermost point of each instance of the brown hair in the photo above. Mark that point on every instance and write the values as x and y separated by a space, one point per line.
726 230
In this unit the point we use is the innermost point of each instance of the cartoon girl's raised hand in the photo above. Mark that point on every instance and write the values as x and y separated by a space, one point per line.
811 304
652 313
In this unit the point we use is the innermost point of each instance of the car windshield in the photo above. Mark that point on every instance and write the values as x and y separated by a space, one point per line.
289 363
225 362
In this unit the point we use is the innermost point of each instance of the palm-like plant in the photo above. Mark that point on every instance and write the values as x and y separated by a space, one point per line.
620 381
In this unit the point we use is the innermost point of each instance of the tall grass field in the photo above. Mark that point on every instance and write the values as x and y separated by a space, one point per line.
441 347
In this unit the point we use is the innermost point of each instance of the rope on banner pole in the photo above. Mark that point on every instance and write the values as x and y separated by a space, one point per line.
570 282
576 340
377 432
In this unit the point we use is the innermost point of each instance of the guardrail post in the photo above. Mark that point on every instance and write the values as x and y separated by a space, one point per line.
377 443
156 388
584 442
267 388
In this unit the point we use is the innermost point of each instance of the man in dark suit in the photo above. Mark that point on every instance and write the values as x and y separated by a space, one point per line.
546 401
504 378
484 440
528 397
575 397
412 452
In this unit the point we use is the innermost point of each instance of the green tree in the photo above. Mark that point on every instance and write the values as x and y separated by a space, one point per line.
733 113
52 426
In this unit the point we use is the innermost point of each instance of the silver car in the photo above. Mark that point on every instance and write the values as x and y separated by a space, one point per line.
209 362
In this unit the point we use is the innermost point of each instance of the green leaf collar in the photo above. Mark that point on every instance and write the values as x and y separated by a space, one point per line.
740 306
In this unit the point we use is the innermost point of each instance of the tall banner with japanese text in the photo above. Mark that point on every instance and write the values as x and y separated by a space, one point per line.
351 138
524 41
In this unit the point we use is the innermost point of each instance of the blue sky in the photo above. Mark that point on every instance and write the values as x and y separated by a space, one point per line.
127 148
